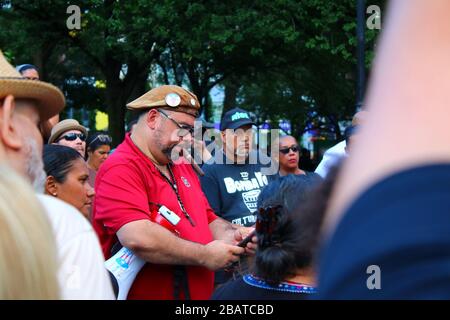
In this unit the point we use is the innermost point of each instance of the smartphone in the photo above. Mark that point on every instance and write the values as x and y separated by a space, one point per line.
247 239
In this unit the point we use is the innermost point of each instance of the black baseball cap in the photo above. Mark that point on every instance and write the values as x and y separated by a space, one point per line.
235 118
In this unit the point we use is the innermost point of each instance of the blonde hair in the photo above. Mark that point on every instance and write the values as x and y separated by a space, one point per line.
28 256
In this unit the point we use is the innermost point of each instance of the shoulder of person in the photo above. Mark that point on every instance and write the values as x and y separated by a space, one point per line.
66 220
314 175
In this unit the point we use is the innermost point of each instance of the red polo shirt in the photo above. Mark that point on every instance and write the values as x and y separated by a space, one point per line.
125 184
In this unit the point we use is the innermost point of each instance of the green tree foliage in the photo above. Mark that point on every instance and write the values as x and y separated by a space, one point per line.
280 58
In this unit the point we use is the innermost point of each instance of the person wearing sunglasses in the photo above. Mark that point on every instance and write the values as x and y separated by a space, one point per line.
24 104
287 234
288 159
98 148
70 133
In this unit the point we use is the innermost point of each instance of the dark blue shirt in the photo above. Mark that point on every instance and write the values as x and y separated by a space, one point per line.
400 225
233 189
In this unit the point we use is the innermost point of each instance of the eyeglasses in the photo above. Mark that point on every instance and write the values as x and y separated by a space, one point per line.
286 150
104 138
184 129
73 136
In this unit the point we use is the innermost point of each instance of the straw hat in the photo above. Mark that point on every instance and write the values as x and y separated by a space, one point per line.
49 98
64 126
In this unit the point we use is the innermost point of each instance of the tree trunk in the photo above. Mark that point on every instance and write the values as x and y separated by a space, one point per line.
231 90
116 112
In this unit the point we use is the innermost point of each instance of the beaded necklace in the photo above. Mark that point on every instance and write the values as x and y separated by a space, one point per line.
282 286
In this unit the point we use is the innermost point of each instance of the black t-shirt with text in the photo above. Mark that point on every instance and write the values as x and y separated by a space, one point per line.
233 189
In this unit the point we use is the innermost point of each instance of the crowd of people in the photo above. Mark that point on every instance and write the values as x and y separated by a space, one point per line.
71 206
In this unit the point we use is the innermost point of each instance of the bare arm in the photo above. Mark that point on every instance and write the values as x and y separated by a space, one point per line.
155 244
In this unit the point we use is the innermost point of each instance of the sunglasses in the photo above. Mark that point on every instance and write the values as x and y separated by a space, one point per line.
103 138
73 136
286 150
184 129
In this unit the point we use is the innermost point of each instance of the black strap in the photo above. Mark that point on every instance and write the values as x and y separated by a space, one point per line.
174 186
180 282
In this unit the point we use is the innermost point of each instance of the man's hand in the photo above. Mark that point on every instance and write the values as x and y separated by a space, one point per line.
219 254
241 233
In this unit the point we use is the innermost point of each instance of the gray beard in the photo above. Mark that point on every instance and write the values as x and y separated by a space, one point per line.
35 167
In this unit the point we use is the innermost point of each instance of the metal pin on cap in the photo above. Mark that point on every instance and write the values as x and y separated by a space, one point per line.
173 100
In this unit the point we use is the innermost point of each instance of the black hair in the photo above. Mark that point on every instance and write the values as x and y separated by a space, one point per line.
58 161
25 67
290 246
93 141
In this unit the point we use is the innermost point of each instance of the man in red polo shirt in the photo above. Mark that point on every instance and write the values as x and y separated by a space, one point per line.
140 175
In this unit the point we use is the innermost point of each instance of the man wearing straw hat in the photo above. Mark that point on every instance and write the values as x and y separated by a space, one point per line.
24 104
70 133
155 207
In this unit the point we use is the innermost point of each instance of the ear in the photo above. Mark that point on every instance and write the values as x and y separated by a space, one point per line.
9 134
151 118
51 187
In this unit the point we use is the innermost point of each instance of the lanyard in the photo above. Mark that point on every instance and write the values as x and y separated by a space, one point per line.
175 189
172 184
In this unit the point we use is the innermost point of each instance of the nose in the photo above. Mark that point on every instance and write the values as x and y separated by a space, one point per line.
187 138
90 192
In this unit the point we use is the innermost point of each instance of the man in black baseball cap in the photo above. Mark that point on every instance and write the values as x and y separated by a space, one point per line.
232 180
237 135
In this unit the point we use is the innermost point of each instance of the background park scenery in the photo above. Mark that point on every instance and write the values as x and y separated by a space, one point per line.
292 64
